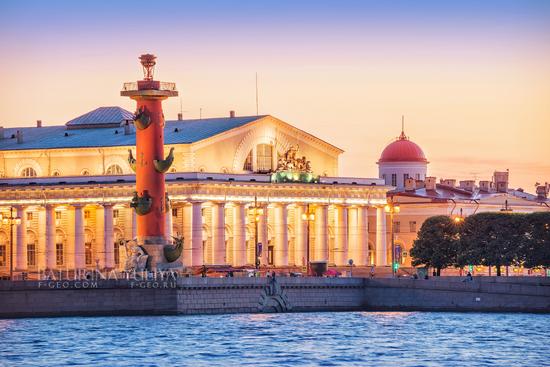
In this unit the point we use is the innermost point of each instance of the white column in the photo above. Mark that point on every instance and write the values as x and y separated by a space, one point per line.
187 235
239 235
98 253
79 248
381 244
168 225
321 232
262 234
341 231
50 237
21 242
109 239
218 233
281 235
300 242
196 234
362 254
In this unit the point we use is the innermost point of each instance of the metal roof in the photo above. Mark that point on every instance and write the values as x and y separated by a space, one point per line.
100 117
175 132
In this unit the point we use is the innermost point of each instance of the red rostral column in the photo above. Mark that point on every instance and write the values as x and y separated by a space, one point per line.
150 200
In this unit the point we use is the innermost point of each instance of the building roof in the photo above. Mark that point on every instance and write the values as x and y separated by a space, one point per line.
60 137
444 193
402 150
101 117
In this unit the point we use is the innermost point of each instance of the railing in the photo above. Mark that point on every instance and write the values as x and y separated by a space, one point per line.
133 86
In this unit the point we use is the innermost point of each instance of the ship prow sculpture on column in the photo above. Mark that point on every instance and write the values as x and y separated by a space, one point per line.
153 249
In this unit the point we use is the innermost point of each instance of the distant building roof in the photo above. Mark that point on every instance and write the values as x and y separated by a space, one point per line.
402 150
101 117
103 135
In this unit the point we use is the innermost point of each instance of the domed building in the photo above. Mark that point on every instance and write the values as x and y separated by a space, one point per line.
400 160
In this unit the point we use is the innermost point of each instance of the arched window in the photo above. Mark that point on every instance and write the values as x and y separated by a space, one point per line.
248 162
264 158
56 173
114 169
28 172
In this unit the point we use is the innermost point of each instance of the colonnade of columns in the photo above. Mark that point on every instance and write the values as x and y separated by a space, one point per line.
310 237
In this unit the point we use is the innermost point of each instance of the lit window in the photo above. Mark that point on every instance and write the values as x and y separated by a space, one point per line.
31 254
114 169
28 172
2 255
59 254
412 226
264 157
248 162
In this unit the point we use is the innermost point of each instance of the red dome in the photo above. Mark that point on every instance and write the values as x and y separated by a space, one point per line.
403 150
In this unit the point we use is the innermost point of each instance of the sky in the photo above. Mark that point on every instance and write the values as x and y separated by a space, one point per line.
472 78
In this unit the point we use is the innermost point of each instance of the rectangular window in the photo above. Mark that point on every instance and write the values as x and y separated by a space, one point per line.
116 213
396 227
264 157
117 253
3 259
384 177
88 253
405 176
412 226
203 212
58 215
86 214
394 179
418 176
29 216
31 254
59 254
174 212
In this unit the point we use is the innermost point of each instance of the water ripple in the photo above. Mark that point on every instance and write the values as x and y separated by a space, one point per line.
312 339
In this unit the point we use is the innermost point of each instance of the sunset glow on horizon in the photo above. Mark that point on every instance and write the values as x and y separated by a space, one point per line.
472 79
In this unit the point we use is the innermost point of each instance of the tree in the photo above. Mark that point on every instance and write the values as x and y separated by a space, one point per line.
437 243
536 250
493 239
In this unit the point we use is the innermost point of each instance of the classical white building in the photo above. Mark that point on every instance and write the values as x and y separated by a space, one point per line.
71 185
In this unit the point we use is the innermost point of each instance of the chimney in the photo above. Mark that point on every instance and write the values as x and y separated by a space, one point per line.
448 182
430 183
468 185
420 184
180 116
19 136
410 184
38 123
485 186
231 114
501 180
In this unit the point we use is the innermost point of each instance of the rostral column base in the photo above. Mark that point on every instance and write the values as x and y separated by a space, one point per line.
154 246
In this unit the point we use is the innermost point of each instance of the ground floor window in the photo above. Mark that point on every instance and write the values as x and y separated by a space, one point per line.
59 254
3 258
88 253
270 251
117 253
31 254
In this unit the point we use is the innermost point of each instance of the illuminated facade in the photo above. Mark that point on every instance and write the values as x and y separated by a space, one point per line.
403 164
71 185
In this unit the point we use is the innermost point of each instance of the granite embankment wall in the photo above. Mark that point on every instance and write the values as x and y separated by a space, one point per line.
233 295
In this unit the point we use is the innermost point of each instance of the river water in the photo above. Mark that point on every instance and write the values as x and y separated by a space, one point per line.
295 339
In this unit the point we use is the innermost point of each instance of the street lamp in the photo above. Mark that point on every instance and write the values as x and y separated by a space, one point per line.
392 209
11 221
309 216
257 212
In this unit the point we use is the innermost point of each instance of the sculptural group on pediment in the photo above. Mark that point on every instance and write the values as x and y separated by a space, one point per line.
290 162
